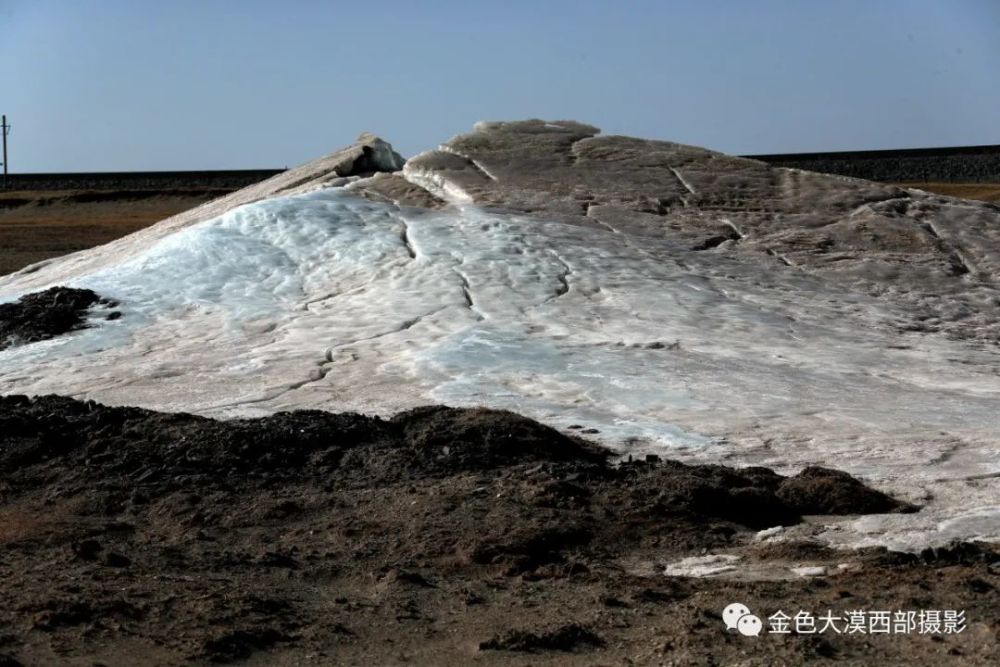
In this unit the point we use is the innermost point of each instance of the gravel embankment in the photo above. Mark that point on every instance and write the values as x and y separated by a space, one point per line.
973 164
141 180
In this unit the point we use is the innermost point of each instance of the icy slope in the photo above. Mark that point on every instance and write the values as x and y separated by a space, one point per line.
369 154
332 301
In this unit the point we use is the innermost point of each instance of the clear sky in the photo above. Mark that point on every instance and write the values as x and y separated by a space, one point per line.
111 85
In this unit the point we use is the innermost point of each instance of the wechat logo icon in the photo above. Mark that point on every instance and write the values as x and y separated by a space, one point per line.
738 617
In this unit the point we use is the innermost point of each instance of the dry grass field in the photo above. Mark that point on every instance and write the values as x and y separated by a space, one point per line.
982 191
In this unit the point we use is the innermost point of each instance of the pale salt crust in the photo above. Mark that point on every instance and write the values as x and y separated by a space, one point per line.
326 300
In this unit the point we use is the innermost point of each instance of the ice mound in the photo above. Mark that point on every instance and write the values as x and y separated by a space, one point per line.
320 298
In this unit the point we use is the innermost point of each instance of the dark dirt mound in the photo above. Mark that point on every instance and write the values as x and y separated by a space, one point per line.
752 497
43 315
145 446
451 439
160 453
311 533
240 644
563 638
818 490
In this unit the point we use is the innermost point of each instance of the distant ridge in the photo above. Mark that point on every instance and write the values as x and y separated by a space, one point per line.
938 151
141 180
955 164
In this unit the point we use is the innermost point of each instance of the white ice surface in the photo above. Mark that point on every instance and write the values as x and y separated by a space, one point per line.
326 300
703 566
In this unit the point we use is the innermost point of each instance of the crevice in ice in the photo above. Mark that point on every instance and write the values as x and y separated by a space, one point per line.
781 258
573 155
478 165
715 241
562 277
372 160
404 236
606 226
868 206
684 184
445 148
467 292
960 265
948 453
563 285
307 305
323 367
739 235
435 183
470 302
971 478
586 212
407 324
317 375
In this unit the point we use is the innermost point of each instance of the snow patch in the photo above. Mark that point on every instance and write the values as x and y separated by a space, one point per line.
702 566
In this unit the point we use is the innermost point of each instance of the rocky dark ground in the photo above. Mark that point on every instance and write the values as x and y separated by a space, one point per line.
42 315
439 536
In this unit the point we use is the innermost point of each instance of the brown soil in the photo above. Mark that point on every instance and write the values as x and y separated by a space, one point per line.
37 225
440 536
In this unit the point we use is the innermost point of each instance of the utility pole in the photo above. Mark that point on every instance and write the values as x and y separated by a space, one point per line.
4 130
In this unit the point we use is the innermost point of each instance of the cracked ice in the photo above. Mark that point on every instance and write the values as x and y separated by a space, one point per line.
330 301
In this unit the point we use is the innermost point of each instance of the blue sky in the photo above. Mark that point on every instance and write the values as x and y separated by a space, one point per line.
135 85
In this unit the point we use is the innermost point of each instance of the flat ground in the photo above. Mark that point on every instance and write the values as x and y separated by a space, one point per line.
37 225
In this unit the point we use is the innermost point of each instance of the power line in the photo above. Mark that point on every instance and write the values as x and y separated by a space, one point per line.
4 130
